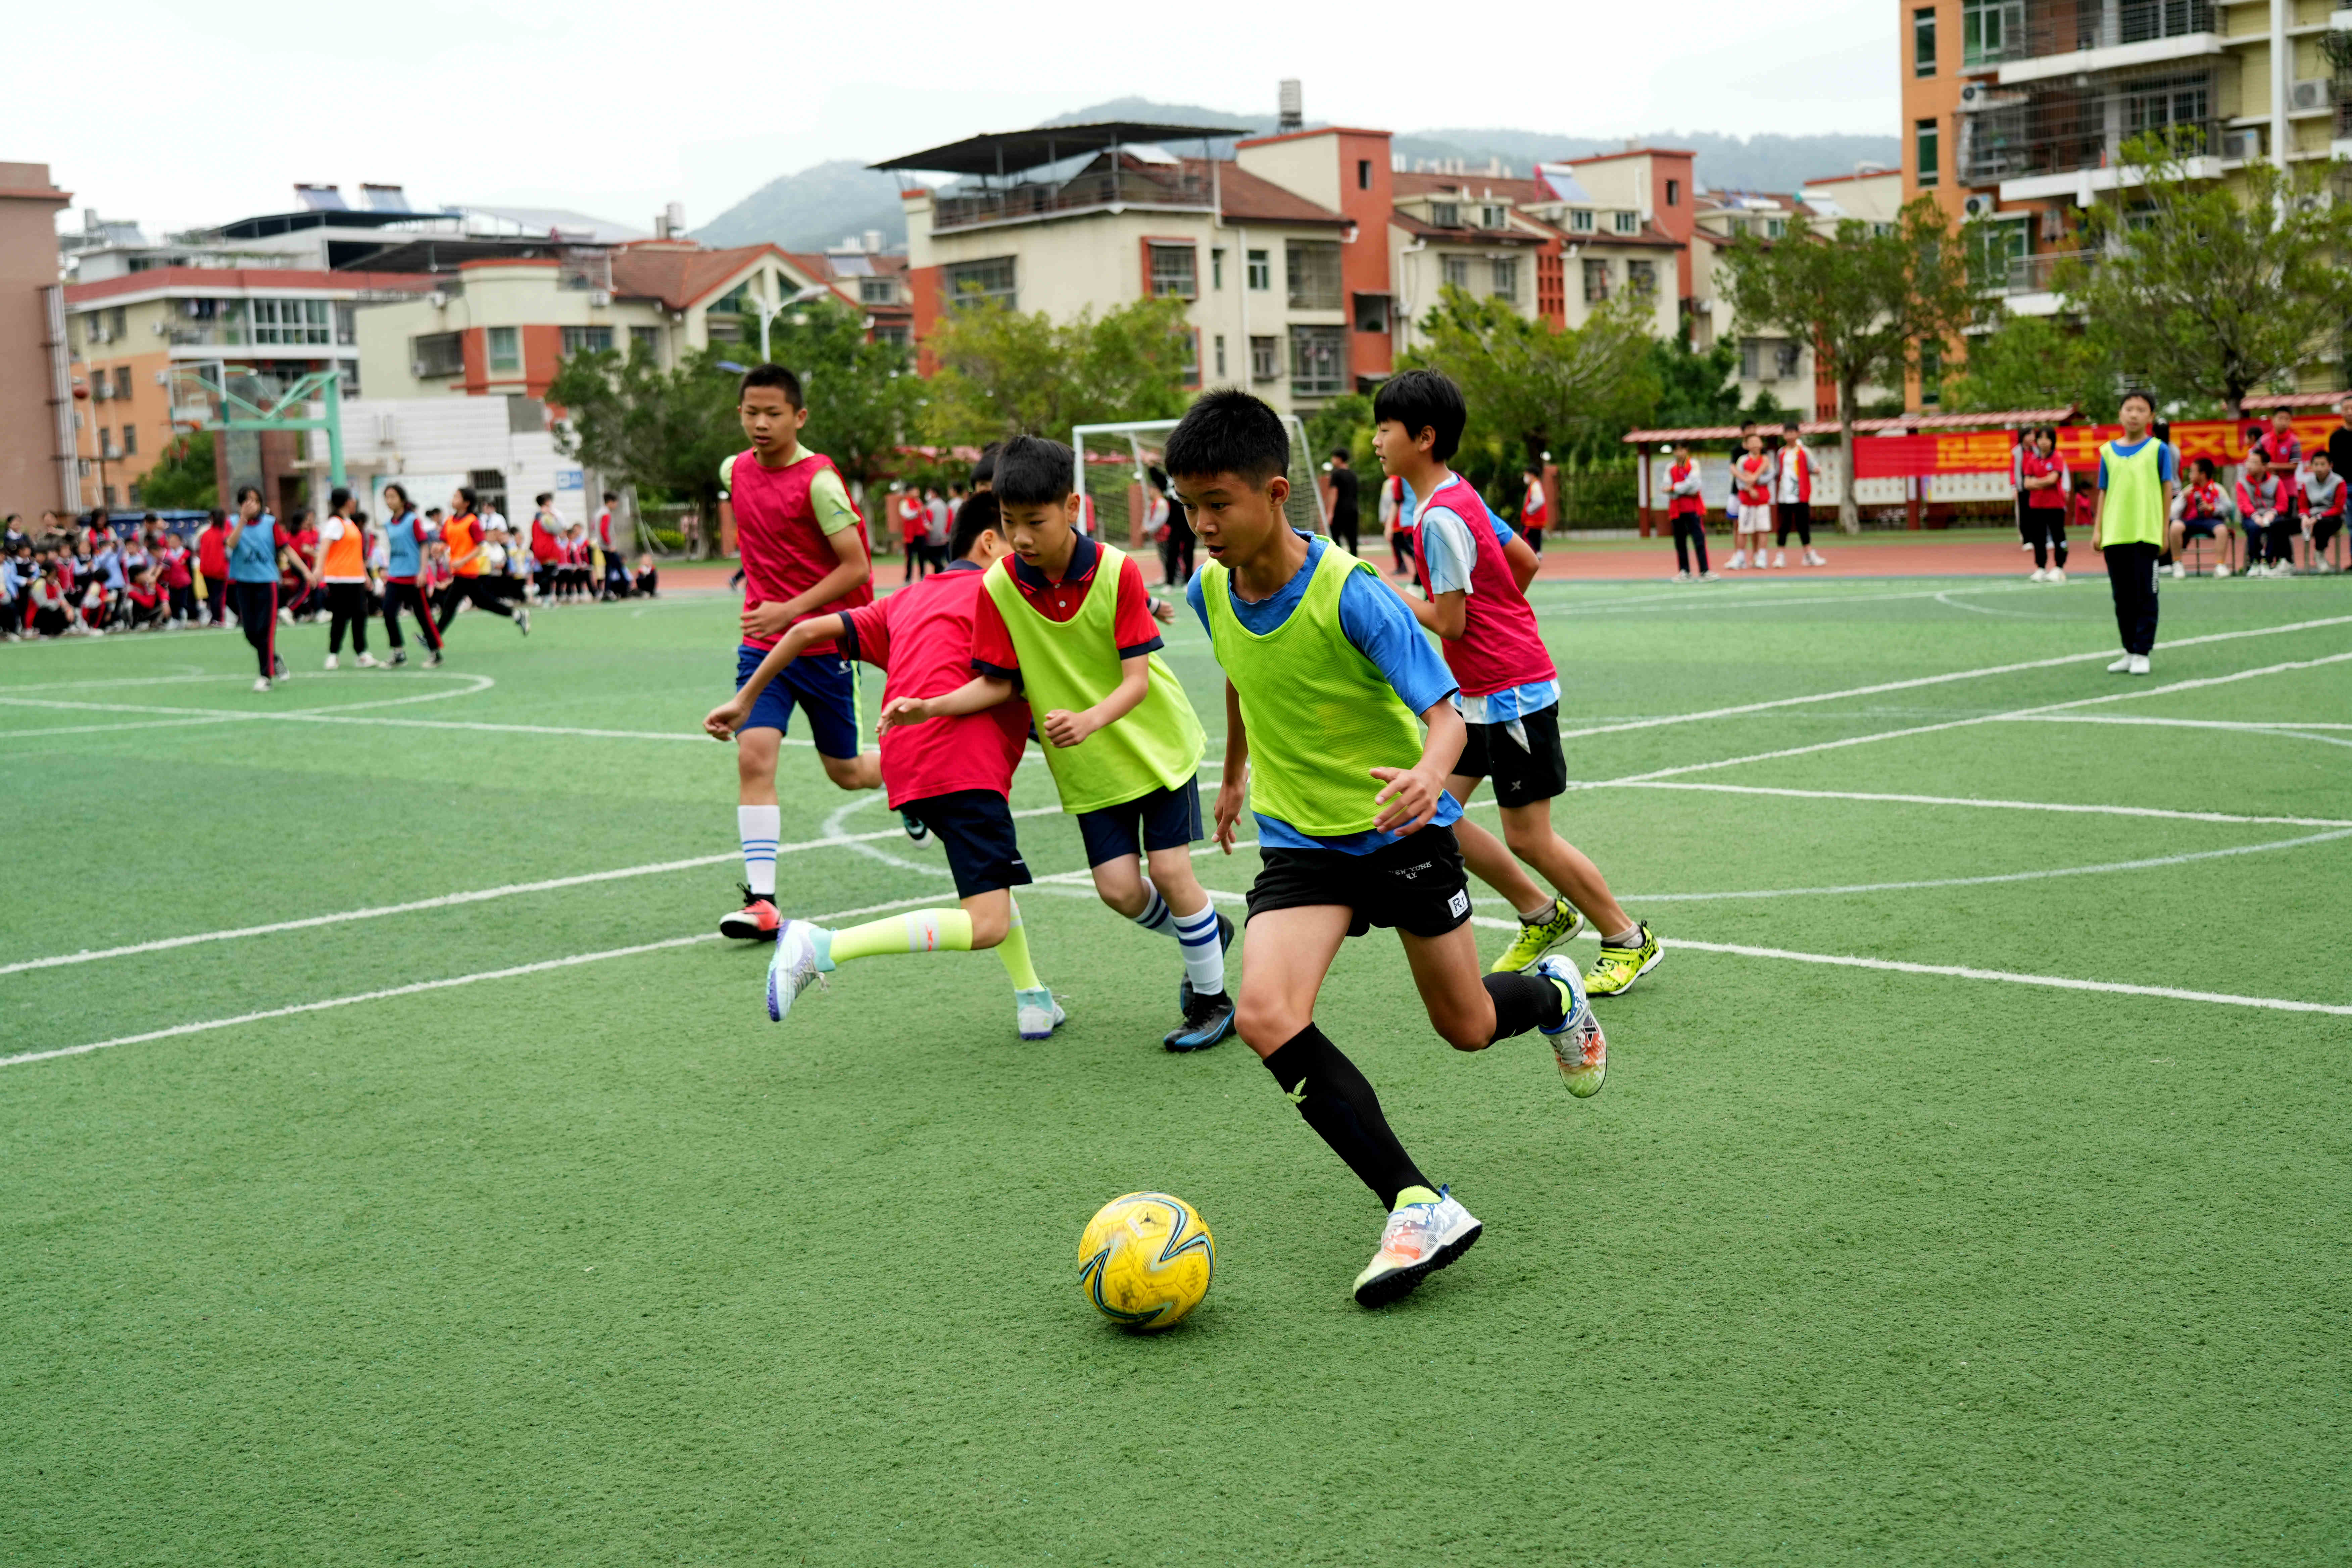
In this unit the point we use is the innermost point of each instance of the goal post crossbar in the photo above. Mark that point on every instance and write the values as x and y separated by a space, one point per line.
1088 445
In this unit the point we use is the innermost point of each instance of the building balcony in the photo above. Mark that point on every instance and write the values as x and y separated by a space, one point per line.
2038 274
1094 190
2022 42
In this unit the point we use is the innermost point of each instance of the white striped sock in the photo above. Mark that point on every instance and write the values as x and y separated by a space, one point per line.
759 826
1157 916
1204 954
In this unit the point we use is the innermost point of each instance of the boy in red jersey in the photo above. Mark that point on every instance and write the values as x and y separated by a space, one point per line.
952 776
803 550
1508 693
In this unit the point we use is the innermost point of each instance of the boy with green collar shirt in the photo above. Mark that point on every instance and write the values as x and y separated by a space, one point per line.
1326 673
1068 622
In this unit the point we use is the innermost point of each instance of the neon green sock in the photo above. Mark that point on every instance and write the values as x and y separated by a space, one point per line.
1014 950
1414 1196
917 930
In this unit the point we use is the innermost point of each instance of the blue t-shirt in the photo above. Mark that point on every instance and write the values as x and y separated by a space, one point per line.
254 557
1380 625
2165 458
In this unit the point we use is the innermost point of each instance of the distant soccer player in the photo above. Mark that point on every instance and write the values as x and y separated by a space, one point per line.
1477 571
2136 478
407 538
1070 622
255 539
464 538
1325 671
2042 502
803 550
953 776
1340 488
341 562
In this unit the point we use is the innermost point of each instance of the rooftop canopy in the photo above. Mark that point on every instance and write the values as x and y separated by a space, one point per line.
1010 151
2010 420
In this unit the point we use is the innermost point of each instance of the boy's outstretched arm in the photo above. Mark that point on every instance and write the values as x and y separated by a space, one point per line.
1411 794
1064 728
721 721
977 695
1232 789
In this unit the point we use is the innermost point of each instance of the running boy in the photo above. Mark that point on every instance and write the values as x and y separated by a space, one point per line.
802 546
952 776
1477 572
1068 620
1325 670
2136 478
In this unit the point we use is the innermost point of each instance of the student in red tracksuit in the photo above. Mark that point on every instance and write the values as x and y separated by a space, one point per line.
2266 513
1795 508
1686 515
2321 504
2041 482
1535 511
212 565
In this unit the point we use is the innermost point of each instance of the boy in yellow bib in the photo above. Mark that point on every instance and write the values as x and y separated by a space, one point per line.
2137 474
1068 622
1326 673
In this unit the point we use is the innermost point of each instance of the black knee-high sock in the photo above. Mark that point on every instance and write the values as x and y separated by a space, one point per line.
1337 1102
1523 1002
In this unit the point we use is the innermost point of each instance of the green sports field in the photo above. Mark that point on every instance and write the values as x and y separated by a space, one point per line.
1971 1184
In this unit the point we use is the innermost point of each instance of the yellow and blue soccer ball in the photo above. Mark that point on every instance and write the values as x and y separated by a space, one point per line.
1145 1259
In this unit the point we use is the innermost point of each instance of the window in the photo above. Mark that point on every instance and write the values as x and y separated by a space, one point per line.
1738 226
1627 223
1314 269
122 381
490 487
1220 350
1175 272
1455 270
1493 217
1674 193
1318 361
1642 276
1776 228
1193 357
894 334
1923 41
1265 358
1927 158
1217 266
2162 104
1596 281
105 441
130 440
347 326
506 350
1992 31
1504 273
877 290
989 282
1363 174
587 340
1371 312
1445 214
436 354
292 321
1785 359
1881 230
644 341
1581 220
1931 375
1261 271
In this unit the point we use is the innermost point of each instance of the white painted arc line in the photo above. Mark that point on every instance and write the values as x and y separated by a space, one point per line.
2060 806
1918 682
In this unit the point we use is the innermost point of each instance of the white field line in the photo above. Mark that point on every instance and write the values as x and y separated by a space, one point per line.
2293 732
2173 687
1918 682
1961 800
329 716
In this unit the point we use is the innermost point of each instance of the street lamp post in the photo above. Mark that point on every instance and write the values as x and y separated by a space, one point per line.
767 316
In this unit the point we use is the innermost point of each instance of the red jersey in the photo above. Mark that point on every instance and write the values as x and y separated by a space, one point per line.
2033 465
2280 450
1499 647
1754 478
176 567
921 638
212 551
1131 620
784 551
912 520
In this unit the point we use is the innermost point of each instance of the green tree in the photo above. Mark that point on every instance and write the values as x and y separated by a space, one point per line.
182 477
663 431
1002 373
1695 390
1533 390
2221 289
864 397
1867 301
2033 362
1344 424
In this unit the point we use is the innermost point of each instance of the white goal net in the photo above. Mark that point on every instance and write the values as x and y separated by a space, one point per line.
1116 466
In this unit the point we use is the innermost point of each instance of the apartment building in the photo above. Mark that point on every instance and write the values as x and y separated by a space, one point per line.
37 473
871 280
2016 110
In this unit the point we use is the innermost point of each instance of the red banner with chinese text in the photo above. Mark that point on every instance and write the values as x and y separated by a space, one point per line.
2219 439
1914 456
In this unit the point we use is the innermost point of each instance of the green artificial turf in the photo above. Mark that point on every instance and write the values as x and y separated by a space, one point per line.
594 1265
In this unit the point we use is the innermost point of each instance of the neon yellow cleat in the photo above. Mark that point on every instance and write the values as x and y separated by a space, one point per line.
1614 971
1534 941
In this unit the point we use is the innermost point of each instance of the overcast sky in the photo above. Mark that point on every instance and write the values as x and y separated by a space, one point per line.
177 115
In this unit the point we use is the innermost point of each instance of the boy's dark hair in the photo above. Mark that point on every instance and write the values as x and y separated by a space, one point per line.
244 490
335 498
612 496
1535 468
979 514
2147 397
983 472
1032 471
1424 400
542 497
773 375
1228 432
1340 454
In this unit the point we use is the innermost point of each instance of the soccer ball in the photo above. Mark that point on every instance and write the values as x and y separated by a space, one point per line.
1144 1260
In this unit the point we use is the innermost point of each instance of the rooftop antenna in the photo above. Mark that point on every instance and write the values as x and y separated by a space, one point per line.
1292 112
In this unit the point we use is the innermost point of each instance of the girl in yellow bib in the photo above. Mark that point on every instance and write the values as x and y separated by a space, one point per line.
1067 621
2136 479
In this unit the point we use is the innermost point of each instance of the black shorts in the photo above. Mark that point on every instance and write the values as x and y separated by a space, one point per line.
1416 884
1522 774
1164 819
975 827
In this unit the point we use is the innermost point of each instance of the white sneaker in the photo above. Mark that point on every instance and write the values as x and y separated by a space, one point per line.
2121 666
2038 574
2221 569
1780 558
332 661
2178 572
1738 562
262 684
370 661
1682 576
1037 1012
2139 663
1418 1240
522 621
284 617
1815 558
793 968
1577 1045
2057 574
1709 577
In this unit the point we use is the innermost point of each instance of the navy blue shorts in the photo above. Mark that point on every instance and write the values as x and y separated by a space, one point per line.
975 827
1164 819
820 685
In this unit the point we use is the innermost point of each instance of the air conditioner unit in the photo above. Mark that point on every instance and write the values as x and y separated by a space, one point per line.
438 299
2308 95
1976 207
416 368
157 328
599 299
1974 93
2244 145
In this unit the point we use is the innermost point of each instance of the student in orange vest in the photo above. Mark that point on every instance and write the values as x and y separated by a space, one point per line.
340 561
462 542
1686 515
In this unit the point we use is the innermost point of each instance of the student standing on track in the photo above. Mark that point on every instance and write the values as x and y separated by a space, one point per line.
1752 489
406 540
1340 488
1326 670
341 562
1796 500
1508 693
1535 508
1686 514
952 776
2136 479
803 550
463 538
254 541
913 523
2042 502
1396 522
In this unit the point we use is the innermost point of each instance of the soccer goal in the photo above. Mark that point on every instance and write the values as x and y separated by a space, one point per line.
1114 465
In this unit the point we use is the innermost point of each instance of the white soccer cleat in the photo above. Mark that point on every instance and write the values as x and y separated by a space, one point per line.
1038 1014
1780 558
2121 666
332 661
522 620
2178 572
2139 663
262 684
1738 562
1577 1045
793 968
2038 574
2221 569
2057 574
1682 576
1418 1240
1815 558
370 661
